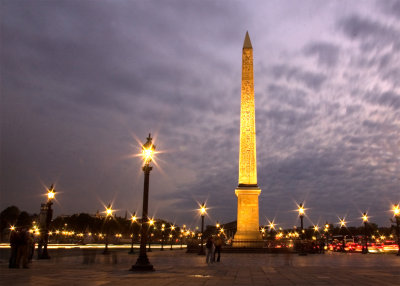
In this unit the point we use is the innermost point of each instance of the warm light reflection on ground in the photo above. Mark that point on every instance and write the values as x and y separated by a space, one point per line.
87 246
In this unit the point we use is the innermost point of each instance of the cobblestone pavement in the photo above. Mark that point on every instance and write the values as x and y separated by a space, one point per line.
67 267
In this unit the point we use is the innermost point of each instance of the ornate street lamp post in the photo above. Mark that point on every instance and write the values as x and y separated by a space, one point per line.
48 216
202 213
301 211
396 213
142 263
365 245
133 221
108 216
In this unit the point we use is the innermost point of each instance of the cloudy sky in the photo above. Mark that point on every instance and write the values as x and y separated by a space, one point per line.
82 82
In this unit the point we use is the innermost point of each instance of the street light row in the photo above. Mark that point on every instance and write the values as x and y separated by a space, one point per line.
142 263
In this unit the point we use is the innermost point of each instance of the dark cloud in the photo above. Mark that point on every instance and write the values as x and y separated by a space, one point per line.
309 79
288 117
281 94
390 7
327 54
388 98
371 34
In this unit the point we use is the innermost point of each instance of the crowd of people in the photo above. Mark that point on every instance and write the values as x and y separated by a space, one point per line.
213 248
22 248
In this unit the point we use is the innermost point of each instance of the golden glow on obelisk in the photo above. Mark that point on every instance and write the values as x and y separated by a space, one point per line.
247 234
247 153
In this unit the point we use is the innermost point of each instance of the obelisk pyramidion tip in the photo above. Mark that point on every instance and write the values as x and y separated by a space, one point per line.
247 43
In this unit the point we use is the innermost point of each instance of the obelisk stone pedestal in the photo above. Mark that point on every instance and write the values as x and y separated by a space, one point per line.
247 234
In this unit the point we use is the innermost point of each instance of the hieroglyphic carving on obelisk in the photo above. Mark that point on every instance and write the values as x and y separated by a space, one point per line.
247 234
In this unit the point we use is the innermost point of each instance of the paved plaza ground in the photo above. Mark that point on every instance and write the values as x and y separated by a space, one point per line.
67 267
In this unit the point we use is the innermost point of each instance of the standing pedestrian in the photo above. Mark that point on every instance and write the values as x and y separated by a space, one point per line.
31 247
14 248
22 249
209 246
218 246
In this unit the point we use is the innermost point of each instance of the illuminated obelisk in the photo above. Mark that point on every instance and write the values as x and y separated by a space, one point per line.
247 234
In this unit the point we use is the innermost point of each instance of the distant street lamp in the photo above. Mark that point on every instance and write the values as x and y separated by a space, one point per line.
271 226
182 234
316 231
109 213
396 213
151 223
48 216
342 226
202 213
326 230
365 245
170 239
162 236
133 222
171 235
143 263
262 232
301 211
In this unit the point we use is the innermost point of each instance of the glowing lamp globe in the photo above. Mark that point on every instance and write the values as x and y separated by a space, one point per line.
203 209
301 210
51 193
148 150
396 210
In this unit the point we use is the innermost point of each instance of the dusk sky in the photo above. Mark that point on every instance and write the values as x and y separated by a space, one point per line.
82 82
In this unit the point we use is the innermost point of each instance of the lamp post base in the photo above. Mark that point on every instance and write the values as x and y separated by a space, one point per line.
142 267
142 264
44 256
